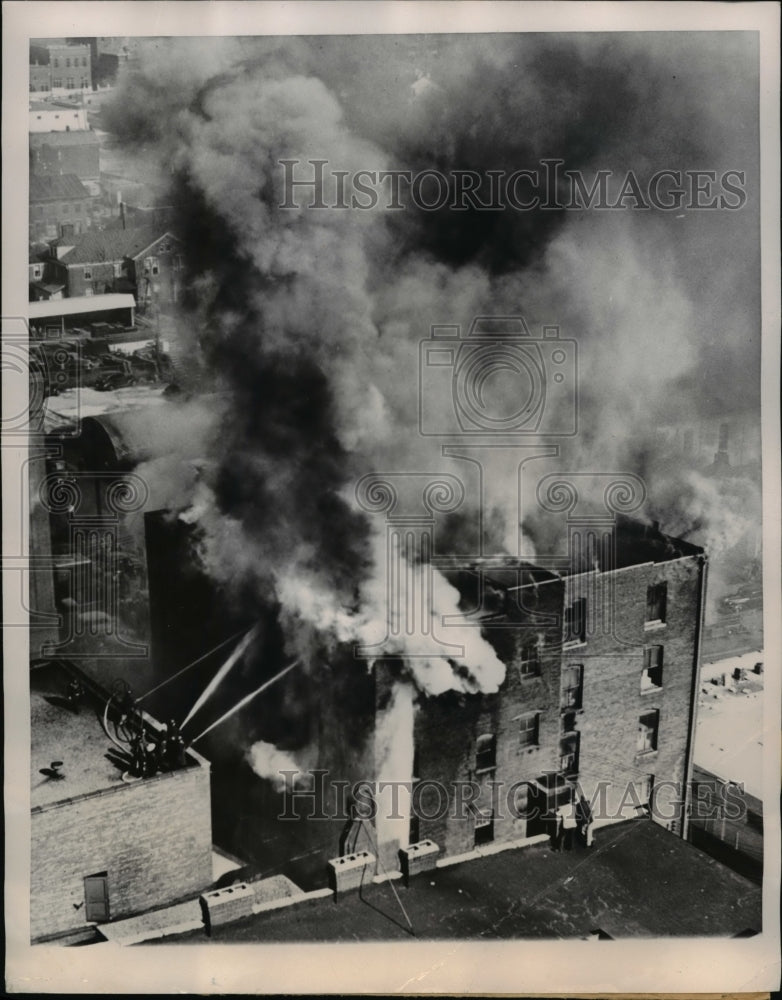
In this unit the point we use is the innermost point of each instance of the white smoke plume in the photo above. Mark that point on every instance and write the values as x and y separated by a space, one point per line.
394 764
270 763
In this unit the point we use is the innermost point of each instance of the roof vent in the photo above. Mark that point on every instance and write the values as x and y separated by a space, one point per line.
53 771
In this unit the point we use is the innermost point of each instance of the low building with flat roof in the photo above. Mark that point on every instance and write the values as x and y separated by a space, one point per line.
106 842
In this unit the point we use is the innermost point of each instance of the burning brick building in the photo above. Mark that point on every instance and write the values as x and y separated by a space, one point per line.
598 700
592 701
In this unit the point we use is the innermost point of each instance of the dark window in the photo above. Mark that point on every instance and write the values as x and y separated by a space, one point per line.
568 722
568 754
70 83
57 82
575 621
56 63
529 726
573 686
88 274
652 676
67 62
96 898
648 731
84 60
484 827
656 600
486 752
529 661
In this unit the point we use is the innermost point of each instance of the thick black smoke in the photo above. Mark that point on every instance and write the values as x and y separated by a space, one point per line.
310 321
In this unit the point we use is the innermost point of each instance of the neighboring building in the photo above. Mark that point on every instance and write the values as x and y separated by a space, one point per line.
110 55
146 261
51 117
106 844
71 69
40 77
713 444
42 282
726 811
94 315
60 206
122 48
56 153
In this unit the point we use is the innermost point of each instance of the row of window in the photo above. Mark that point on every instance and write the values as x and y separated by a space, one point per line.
70 83
56 62
65 209
576 613
151 266
529 736
573 674
643 790
486 745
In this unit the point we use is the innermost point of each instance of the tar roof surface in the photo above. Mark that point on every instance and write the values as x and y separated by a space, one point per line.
638 880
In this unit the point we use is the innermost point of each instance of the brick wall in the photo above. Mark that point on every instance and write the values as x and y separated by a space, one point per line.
101 280
448 727
613 701
47 218
152 837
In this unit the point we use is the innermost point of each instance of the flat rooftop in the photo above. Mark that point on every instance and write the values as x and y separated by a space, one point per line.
71 734
59 732
637 880
730 729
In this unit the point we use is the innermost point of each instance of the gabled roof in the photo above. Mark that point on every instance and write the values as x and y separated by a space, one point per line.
47 289
81 138
53 187
112 245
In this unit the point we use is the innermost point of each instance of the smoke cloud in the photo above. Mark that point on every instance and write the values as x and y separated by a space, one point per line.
309 321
